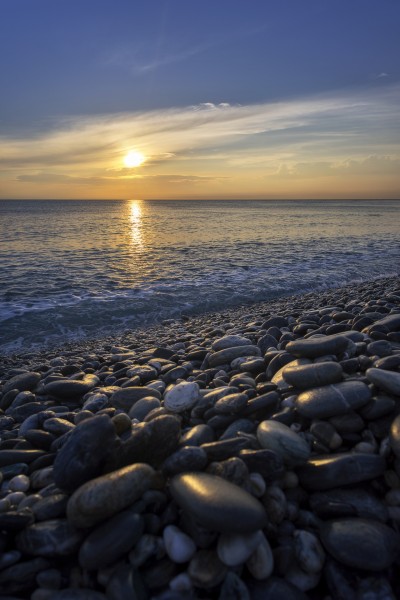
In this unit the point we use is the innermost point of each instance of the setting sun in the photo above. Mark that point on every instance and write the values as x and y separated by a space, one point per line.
134 159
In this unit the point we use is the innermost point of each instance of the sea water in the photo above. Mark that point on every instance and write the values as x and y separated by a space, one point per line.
75 269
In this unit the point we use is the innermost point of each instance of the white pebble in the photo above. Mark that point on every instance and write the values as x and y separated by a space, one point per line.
234 549
19 483
179 546
182 396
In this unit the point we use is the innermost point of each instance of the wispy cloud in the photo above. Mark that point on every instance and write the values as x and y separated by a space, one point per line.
349 134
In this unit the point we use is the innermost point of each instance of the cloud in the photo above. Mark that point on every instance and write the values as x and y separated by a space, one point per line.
345 134
371 166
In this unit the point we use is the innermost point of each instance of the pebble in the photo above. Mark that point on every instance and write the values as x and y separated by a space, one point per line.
342 469
178 545
361 543
388 381
217 504
315 375
85 453
333 400
108 542
104 496
181 397
242 456
282 440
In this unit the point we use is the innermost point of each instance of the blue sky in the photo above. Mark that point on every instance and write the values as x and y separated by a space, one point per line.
67 66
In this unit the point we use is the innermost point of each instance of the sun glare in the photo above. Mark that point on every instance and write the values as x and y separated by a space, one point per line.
134 159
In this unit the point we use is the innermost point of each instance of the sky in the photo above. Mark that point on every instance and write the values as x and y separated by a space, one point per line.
215 99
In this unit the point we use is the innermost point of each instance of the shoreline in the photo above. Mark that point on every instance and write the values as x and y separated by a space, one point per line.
304 301
245 453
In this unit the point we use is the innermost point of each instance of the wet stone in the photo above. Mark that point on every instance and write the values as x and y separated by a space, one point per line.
329 472
282 440
217 504
85 453
332 400
361 543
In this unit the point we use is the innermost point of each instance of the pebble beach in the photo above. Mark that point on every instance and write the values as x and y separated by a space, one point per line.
248 454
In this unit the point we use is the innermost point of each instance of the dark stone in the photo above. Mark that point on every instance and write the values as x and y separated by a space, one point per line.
188 458
304 377
9 457
361 543
22 382
331 400
52 538
111 540
318 346
66 389
217 504
328 472
84 455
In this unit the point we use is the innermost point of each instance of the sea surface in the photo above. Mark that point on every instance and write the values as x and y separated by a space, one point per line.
75 269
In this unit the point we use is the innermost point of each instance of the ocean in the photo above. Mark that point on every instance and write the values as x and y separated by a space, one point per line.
76 269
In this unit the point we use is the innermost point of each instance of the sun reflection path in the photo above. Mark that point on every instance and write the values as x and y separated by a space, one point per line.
136 225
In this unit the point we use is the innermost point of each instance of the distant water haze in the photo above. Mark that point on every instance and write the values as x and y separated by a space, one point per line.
76 269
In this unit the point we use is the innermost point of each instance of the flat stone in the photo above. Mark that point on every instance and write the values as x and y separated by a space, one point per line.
22 382
10 457
287 444
332 400
49 539
361 543
348 502
104 496
85 453
387 324
125 398
71 388
309 376
230 341
223 357
388 381
111 540
217 504
182 396
318 346
328 472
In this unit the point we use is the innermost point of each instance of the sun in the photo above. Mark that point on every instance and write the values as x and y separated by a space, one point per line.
134 159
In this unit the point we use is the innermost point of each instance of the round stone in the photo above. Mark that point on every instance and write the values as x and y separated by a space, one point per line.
287 444
235 548
19 483
332 400
71 388
361 543
230 341
178 545
226 356
125 398
217 504
182 396
103 497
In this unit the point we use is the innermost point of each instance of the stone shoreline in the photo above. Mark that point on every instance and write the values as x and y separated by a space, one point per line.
249 454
